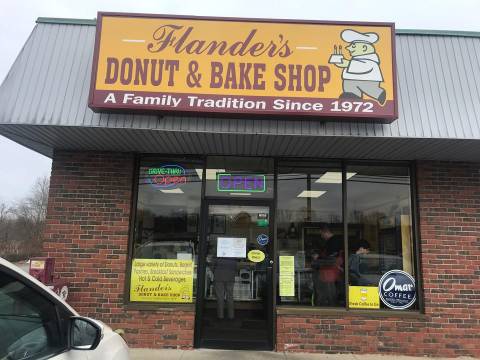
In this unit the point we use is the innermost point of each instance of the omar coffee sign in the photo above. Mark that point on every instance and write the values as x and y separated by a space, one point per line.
397 289
243 66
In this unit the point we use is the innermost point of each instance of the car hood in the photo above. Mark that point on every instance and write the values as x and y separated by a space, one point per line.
26 275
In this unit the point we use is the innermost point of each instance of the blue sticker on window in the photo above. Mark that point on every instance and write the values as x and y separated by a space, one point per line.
262 239
397 289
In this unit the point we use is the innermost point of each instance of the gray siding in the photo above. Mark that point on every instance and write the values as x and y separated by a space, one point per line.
438 91
43 105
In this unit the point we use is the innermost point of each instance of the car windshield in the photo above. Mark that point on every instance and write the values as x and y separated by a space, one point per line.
28 322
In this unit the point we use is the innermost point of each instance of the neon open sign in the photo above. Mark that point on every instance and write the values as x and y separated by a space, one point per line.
241 183
167 176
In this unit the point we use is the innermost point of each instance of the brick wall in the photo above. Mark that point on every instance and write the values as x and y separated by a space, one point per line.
87 234
449 208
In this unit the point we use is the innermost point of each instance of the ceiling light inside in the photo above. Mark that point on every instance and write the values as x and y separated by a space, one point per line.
172 191
311 194
333 177
211 173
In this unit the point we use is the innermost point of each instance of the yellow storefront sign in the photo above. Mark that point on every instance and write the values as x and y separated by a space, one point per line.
363 297
162 280
156 62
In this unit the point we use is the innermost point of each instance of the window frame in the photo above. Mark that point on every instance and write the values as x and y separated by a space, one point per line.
316 163
285 308
415 238
302 309
138 305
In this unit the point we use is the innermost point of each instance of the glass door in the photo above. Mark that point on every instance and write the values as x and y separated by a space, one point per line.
236 311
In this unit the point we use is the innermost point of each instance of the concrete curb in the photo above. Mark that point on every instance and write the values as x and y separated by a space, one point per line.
207 354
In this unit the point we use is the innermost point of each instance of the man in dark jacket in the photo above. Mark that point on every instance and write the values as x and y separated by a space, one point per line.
359 250
224 272
328 263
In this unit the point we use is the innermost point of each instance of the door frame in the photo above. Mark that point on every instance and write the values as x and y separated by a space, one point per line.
201 266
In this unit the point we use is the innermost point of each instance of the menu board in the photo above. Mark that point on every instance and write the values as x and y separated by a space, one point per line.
231 247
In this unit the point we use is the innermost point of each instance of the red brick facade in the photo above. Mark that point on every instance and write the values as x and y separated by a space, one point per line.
87 233
449 208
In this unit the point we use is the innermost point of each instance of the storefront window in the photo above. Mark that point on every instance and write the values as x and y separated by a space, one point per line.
379 235
166 230
239 177
380 251
310 234
370 267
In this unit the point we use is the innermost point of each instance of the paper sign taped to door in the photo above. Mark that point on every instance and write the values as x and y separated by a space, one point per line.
231 247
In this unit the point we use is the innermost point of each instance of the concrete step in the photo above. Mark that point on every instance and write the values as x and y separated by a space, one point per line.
208 354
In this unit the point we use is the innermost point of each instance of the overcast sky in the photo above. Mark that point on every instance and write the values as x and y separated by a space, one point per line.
19 167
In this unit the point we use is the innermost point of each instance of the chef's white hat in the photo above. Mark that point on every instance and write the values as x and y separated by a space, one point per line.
353 36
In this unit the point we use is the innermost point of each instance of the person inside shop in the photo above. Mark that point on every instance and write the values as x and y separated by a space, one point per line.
327 264
355 266
224 271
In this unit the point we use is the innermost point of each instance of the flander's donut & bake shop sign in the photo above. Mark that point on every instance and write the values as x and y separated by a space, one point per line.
243 66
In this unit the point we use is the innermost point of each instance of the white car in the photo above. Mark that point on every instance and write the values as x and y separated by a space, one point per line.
36 324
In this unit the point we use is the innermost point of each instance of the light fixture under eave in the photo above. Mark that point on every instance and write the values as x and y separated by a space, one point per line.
211 173
333 177
172 191
240 194
311 194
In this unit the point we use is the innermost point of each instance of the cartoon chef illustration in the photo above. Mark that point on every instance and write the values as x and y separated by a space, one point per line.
361 74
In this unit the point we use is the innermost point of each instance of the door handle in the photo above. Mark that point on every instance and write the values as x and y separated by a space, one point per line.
271 262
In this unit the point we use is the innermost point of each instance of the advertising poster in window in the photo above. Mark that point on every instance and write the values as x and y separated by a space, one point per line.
162 280
363 297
